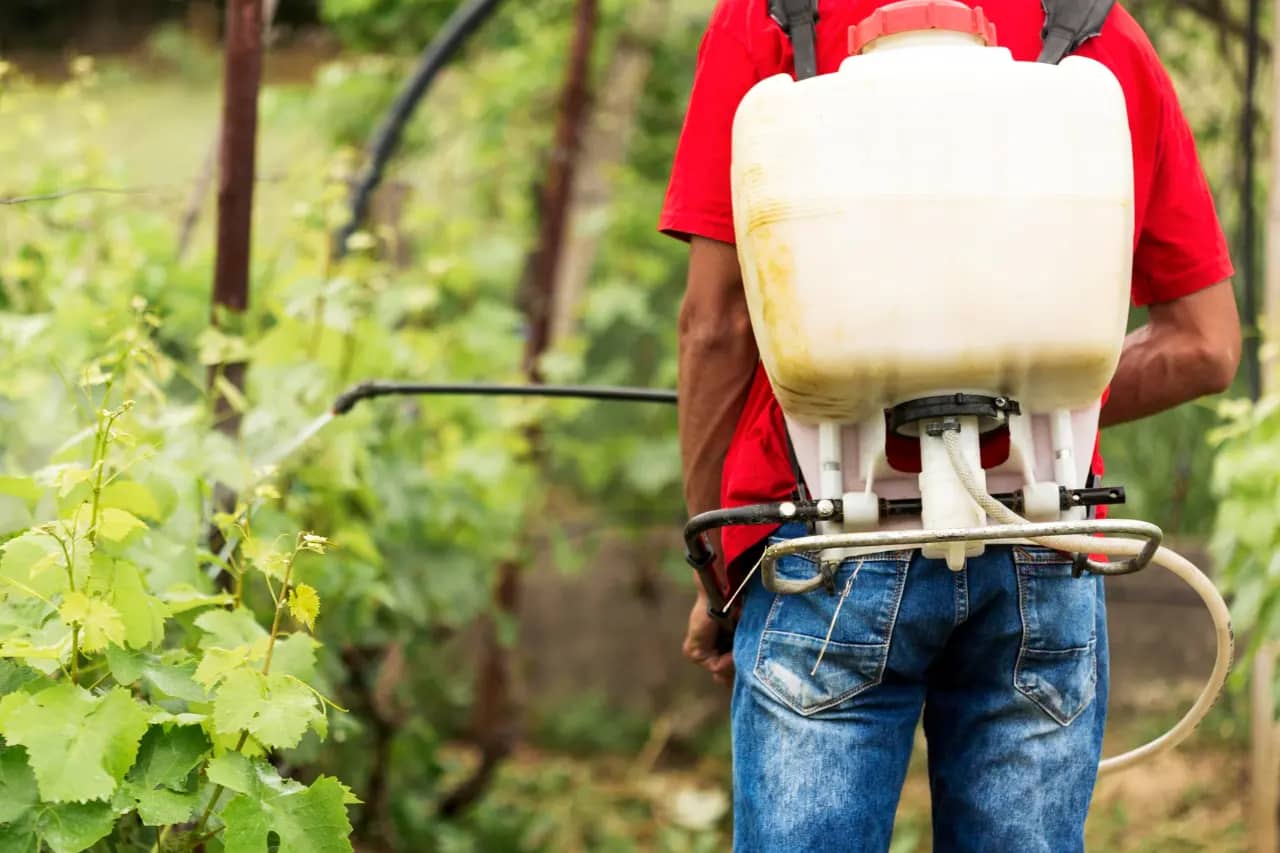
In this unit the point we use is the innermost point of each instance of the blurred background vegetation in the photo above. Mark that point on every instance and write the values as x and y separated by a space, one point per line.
598 741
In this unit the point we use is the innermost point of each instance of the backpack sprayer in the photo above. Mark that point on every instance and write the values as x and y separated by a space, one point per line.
962 267
966 268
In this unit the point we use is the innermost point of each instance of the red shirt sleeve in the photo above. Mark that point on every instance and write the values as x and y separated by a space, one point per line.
1180 248
698 198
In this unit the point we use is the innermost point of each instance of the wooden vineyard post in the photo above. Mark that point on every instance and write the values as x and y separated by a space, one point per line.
200 190
237 156
237 169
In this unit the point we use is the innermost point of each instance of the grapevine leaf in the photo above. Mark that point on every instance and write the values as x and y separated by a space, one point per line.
160 716
174 679
17 785
310 819
304 605
35 655
218 663
14 677
23 488
132 497
274 564
167 755
217 347
295 655
101 732
180 599
100 623
162 807
118 525
73 487
28 560
232 771
19 837
126 666
142 613
349 796
226 629
275 709
73 827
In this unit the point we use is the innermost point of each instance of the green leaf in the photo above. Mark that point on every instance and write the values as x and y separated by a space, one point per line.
19 837
99 622
180 599
64 720
266 559
172 674
161 807
227 629
217 347
14 677
295 655
167 755
118 525
24 821
217 664
17 785
126 666
176 680
159 716
132 497
35 561
74 486
232 771
311 819
23 488
73 827
275 709
304 604
143 614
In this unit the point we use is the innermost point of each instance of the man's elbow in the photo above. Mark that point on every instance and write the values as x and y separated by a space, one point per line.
1215 363
707 328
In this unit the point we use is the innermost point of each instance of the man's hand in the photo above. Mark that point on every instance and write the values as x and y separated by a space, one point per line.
700 644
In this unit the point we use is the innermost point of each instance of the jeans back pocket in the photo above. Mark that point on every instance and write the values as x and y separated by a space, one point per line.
1057 661
809 671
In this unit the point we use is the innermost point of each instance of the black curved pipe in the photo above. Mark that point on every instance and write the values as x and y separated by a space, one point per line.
347 400
460 26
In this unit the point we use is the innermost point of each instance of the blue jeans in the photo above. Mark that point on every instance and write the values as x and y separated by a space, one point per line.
1006 659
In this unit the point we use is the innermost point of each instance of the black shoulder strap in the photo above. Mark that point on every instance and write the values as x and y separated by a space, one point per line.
799 19
1069 24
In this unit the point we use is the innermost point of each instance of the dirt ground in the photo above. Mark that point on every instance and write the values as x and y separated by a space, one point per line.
663 797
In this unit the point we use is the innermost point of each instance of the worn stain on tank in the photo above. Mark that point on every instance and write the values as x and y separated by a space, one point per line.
785 349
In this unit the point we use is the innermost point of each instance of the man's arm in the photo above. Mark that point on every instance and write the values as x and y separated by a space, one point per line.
717 361
1189 347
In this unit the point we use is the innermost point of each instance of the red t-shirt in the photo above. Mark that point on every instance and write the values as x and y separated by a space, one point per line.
1179 246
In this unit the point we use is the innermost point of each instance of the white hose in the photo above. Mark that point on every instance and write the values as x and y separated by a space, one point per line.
1170 560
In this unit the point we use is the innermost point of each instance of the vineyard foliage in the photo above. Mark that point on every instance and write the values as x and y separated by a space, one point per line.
154 685
178 673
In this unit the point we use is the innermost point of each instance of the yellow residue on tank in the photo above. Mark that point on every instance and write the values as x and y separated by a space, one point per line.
784 348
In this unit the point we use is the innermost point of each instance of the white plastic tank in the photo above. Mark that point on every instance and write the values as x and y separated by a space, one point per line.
935 217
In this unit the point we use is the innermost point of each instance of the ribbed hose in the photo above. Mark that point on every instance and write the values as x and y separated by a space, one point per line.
1170 560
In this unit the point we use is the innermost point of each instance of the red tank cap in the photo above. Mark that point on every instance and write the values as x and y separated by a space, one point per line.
911 15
